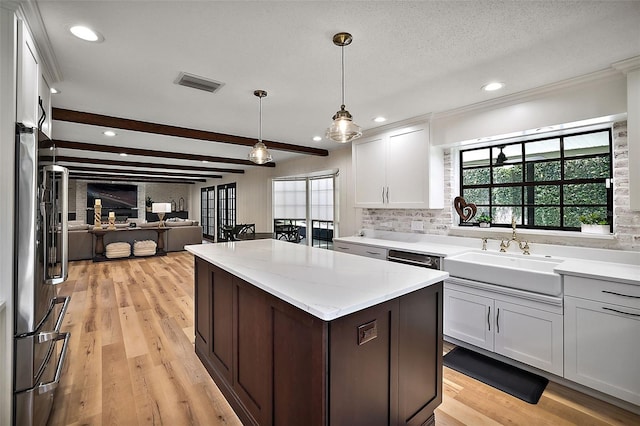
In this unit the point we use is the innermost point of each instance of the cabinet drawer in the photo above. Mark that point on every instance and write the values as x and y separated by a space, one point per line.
604 291
361 250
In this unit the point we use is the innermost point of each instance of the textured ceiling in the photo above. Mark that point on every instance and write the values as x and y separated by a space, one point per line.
407 59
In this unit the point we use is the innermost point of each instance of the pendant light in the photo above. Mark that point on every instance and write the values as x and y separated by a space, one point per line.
501 157
343 129
259 154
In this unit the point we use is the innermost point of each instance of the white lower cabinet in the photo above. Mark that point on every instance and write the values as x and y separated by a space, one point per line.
467 317
523 326
602 336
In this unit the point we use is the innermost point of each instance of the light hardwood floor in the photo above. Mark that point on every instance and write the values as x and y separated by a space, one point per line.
131 360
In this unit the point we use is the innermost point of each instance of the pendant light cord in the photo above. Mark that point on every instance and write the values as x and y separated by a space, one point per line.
342 48
260 140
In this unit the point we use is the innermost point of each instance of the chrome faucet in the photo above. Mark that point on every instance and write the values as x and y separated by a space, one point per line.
522 244
484 243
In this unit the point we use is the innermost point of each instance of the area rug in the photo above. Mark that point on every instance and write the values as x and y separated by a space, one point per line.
512 380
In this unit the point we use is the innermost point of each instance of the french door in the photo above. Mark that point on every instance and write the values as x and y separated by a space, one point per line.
208 212
226 208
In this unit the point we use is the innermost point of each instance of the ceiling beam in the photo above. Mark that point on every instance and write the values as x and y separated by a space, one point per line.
181 132
128 179
137 172
105 162
148 153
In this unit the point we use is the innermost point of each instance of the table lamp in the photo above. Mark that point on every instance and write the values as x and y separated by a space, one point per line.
161 209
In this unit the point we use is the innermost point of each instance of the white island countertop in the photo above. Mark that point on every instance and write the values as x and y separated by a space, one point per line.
324 283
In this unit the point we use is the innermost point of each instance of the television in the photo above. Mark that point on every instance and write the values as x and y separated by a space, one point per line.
113 195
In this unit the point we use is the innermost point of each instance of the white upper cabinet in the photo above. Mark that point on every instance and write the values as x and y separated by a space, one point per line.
28 79
396 169
33 103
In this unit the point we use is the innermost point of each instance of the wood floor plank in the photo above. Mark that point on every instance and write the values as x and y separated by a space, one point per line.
150 400
132 334
117 391
131 360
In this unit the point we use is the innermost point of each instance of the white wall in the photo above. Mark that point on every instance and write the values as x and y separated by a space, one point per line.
8 42
254 202
567 102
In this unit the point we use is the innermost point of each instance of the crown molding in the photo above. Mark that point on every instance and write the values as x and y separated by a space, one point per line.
538 92
627 65
31 13
10 5
424 118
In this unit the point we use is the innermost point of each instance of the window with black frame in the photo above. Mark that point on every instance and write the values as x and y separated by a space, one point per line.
226 210
207 213
545 183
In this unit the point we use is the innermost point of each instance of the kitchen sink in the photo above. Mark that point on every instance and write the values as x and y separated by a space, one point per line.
509 270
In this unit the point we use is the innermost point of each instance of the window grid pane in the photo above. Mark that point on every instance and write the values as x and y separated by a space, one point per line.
545 183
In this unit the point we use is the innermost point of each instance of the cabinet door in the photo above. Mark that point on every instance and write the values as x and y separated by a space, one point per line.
469 318
360 370
221 321
252 364
529 335
419 355
602 343
369 163
408 168
203 307
28 77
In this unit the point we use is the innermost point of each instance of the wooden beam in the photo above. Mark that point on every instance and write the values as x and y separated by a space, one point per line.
105 162
182 132
147 152
137 172
129 179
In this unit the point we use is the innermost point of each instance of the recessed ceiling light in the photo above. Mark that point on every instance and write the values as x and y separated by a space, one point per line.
490 87
317 138
86 33
123 154
379 119
204 161
54 90
110 133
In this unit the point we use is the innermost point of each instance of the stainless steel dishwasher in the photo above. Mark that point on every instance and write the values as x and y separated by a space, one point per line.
416 259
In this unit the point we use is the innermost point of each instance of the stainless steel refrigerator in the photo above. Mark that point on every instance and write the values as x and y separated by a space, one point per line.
41 211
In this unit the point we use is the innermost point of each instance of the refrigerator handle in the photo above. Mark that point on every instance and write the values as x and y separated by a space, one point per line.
49 386
44 114
50 225
45 336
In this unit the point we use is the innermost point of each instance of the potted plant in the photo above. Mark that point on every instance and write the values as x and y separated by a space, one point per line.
148 203
594 223
484 220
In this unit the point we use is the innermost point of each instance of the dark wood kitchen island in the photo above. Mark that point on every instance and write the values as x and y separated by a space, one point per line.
294 335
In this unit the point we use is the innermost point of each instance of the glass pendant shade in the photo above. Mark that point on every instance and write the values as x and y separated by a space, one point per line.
259 154
343 129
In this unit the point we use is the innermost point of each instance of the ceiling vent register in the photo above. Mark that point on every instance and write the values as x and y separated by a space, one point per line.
197 82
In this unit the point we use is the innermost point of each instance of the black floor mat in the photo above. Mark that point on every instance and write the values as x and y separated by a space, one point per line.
512 380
